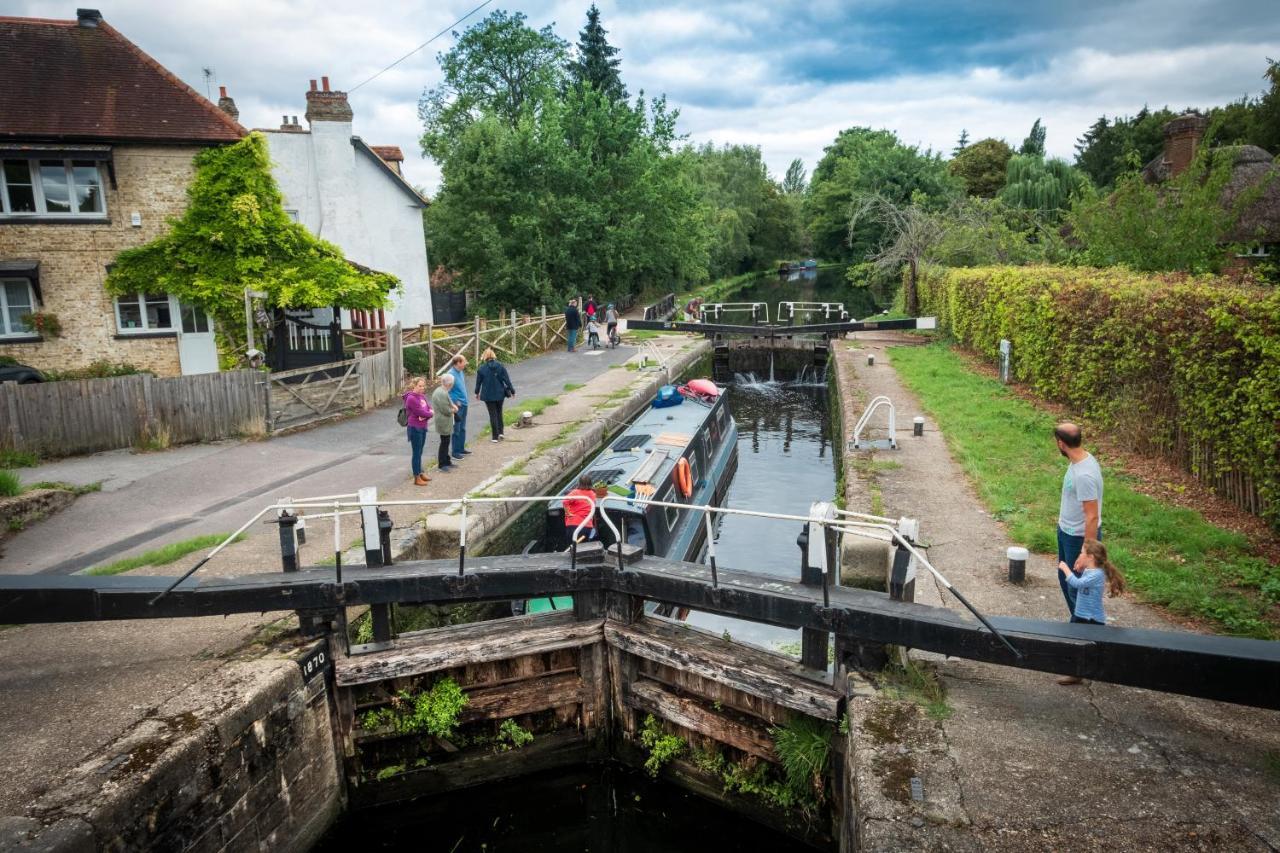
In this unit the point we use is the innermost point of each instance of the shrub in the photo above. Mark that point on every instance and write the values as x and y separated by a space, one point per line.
662 747
417 362
1184 365
101 369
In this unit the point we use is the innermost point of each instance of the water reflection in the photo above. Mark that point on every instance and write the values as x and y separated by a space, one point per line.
783 466
824 285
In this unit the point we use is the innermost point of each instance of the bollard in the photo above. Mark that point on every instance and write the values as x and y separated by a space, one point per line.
288 542
384 535
917 426
871 361
1017 564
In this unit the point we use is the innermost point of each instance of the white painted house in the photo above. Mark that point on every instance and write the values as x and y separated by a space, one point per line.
344 192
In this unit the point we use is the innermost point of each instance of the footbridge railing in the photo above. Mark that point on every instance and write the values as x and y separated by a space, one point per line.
1243 671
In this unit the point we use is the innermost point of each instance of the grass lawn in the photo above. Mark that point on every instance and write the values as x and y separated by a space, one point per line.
1171 556
162 555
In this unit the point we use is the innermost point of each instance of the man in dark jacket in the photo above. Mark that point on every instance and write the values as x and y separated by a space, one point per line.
572 323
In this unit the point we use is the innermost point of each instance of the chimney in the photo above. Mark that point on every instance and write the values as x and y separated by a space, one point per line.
327 105
226 104
1181 136
88 18
288 126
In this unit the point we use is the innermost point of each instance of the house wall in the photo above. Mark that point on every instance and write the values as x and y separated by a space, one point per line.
344 197
151 180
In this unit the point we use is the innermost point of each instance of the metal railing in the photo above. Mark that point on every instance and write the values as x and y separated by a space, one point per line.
828 310
841 521
715 310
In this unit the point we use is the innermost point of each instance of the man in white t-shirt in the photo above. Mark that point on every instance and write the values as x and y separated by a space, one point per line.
1080 510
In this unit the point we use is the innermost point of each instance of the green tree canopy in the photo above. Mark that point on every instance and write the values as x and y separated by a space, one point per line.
596 63
235 235
797 179
982 167
861 163
1034 143
1046 186
499 68
1109 148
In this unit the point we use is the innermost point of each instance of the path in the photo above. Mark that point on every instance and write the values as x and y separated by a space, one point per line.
1024 763
151 499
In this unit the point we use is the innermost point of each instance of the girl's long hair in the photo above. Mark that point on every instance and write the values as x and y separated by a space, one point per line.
1098 551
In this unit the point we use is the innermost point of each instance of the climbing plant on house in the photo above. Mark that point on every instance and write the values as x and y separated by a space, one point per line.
235 235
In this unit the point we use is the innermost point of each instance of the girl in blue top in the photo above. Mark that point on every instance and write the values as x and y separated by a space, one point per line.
1096 572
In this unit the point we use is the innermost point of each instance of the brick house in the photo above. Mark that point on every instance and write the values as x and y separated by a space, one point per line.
97 141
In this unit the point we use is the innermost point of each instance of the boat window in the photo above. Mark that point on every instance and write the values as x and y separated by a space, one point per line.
635 532
672 513
693 470
706 446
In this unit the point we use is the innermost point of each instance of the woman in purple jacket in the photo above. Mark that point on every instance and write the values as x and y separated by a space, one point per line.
419 411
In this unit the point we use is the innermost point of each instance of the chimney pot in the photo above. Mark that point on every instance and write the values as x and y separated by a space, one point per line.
88 18
295 119
313 85
328 105
325 83
222 91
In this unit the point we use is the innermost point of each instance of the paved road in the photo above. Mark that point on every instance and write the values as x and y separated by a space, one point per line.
150 499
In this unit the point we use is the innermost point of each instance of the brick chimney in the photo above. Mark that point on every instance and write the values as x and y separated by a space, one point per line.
227 104
326 105
289 124
1181 136
88 18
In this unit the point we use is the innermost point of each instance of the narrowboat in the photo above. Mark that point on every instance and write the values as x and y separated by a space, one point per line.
682 449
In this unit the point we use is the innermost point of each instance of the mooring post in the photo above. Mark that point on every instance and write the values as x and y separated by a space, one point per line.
288 541
1017 564
917 426
369 526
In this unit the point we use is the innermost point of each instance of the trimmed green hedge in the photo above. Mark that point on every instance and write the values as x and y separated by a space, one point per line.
1184 365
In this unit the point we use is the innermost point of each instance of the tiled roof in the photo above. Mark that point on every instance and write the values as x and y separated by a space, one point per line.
62 81
390 153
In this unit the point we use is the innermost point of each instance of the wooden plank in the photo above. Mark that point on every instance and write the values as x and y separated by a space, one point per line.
523 697
685 711
460 645
770 676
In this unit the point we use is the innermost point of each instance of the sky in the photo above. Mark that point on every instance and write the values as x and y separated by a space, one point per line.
786 76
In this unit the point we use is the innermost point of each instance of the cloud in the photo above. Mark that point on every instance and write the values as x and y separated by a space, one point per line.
786 75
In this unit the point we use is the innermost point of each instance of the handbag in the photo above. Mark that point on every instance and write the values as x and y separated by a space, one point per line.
402 417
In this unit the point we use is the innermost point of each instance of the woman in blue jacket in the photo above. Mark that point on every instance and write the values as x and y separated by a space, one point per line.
493 385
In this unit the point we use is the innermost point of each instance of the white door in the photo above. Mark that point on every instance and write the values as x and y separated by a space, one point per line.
197 351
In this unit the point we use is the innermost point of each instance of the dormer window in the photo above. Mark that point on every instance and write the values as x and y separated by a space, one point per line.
62 189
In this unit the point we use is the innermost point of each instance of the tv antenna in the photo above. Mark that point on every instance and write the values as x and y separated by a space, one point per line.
209 74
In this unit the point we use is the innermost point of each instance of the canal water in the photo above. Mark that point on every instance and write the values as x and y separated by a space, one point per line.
606 808
817 285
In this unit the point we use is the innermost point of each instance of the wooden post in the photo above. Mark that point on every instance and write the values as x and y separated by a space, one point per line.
477 359
814 572
431 352
515 335
544 328
10 392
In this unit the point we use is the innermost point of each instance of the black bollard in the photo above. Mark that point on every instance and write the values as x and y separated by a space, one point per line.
288 543
1017 564
917 426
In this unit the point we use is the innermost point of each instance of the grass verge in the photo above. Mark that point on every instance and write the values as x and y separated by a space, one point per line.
916 681
1171 556
18 459
163 555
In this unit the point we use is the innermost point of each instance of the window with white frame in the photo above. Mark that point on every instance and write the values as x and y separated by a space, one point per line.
1256 250
16 301
144 312
55 188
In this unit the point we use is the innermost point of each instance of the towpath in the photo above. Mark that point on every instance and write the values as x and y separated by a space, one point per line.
150 499
1023 763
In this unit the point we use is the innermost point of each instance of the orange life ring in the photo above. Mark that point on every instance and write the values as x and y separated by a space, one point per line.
684 477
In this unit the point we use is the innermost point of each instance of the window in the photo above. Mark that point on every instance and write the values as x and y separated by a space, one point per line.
673 514
1256 250
16 300
193 319
145 312
59 188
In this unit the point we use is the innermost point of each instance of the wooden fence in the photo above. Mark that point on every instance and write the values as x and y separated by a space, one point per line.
662 309
311 394
88 415
511 339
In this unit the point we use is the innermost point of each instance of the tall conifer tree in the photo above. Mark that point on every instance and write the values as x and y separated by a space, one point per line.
596 62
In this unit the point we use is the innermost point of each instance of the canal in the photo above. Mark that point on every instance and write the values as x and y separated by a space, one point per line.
818 285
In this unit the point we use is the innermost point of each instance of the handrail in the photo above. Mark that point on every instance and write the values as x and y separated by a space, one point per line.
876 403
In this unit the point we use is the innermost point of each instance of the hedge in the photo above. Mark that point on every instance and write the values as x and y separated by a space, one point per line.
1188 366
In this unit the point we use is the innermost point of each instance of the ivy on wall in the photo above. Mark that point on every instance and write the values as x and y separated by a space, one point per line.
1174 362
235 235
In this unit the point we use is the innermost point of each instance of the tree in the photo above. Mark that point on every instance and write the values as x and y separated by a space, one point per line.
982 167
1264 128
596 64
235 235
1034 143
911 234
862 162
962 143
500 67
1108 149
1176 226
796 179
1045 186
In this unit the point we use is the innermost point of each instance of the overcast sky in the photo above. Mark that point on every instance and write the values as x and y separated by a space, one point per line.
786 76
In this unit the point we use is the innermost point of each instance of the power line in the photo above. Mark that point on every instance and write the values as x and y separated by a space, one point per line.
424 44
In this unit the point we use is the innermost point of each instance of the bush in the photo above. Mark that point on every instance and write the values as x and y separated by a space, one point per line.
10 485
417 362
1184 365
101 369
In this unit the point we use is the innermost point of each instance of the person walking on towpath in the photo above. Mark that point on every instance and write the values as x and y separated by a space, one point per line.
493 385
1080 509
419 412
459 397
444 411
572 323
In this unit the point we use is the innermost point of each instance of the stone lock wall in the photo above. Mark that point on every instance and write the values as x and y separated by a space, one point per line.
152 181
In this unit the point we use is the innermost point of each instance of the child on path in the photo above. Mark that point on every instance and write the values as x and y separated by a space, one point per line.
593 332
1096 571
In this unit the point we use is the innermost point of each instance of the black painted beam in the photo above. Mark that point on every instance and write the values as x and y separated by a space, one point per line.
773 331
1230 669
